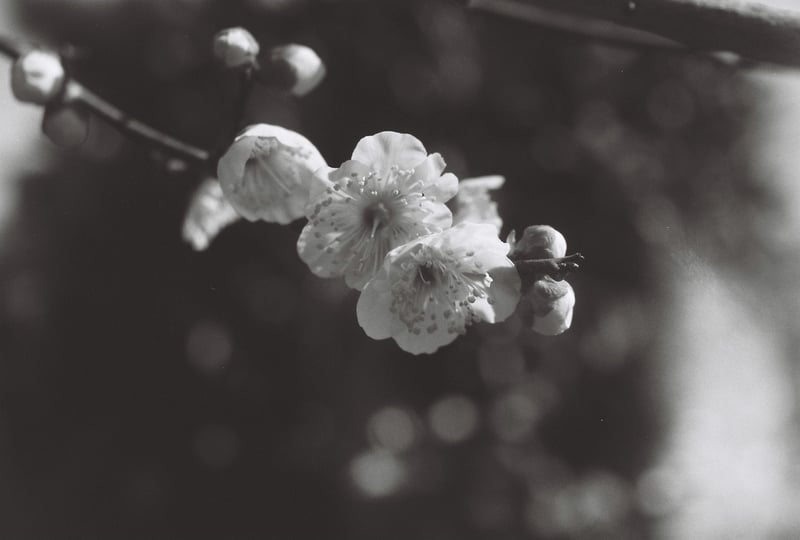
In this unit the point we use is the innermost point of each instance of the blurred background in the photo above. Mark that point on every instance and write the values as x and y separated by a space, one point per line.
147 390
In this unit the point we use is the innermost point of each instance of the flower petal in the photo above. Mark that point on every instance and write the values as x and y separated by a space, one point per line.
371 310
474 204
481 184
504 291
207 214
426 342
443 188
388 148
317 242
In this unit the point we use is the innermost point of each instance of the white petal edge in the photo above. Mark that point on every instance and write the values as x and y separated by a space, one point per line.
387 148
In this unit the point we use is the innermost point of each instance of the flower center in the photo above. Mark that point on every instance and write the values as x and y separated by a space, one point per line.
377 215
427 274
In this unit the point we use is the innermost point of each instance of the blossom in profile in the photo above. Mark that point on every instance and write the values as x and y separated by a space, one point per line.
207 215
474 204
235 47
266 173
37 77
432 288
389 193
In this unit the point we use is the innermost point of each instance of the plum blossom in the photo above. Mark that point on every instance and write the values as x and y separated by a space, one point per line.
389 193
474 204
266 173
208 213
430 289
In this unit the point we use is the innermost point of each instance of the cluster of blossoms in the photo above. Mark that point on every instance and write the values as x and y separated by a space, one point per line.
381 222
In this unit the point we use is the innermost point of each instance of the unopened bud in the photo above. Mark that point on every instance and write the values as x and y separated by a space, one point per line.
67 125
305 68
537 242
267 172
553 302
37 77
236 47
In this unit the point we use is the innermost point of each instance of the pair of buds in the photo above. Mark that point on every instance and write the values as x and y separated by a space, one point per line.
39 77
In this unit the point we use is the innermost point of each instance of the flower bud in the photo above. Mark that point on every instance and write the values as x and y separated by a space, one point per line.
66 125
235 47
305 68
267 173
552 302
37 77
537 242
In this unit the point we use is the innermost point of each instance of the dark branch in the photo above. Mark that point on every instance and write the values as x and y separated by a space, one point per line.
748 28
75 92
136 129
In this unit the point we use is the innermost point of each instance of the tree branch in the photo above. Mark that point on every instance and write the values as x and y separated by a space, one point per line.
746 27
75 92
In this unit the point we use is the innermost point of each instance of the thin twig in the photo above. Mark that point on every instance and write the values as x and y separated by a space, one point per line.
10 47
77 93
556 268
746 27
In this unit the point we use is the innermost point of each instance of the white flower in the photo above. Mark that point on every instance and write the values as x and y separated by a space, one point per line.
208 213
430 289
37 77
267 171
391 192
235 47
553 302
303 63
473 203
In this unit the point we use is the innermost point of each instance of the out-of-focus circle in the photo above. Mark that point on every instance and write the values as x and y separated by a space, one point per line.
453 419
377 473
392 428
514 415
209 347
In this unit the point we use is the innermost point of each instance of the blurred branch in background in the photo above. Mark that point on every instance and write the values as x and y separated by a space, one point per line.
76 93
751 29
